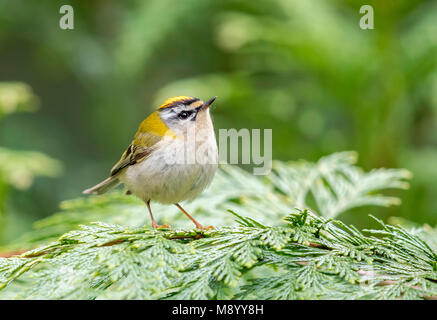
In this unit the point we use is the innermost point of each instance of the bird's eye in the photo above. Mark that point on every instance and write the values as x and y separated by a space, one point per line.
183 115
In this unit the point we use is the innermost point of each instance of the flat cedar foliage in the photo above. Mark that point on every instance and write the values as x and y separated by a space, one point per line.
276 237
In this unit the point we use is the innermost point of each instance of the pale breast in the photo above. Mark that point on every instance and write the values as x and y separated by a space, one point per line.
168 175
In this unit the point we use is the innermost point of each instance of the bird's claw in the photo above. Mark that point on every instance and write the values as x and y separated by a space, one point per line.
204 228
162 226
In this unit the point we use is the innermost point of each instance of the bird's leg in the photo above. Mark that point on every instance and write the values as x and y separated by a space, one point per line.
198 225
154 224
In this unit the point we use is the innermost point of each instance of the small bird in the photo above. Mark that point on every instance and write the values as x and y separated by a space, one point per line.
172 158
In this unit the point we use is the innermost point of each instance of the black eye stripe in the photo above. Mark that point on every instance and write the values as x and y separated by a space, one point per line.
185 114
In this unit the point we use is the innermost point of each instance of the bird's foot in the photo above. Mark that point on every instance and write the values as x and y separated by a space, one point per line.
160 226
199 226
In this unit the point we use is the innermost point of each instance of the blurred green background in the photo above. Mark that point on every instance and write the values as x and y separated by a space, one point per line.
301 67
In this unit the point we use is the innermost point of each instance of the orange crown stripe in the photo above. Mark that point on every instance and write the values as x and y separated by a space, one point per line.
171 101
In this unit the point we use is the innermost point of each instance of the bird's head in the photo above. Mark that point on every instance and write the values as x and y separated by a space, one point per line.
182 112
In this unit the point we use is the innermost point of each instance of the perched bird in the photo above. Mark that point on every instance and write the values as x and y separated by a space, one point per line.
172 158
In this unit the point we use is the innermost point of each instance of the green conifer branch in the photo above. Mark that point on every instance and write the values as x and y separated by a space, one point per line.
257 251
305 257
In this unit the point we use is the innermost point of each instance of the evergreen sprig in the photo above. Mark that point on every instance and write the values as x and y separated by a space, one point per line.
307 257
257 250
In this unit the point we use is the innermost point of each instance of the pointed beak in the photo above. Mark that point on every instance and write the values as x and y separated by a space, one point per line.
208 103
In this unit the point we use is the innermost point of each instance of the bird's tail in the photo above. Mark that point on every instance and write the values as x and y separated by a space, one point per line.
103 186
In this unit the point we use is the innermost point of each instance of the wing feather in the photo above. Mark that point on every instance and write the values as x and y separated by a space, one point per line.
151 131
132 155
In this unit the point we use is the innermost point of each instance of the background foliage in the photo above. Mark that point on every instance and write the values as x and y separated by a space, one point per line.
303 68
19 168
